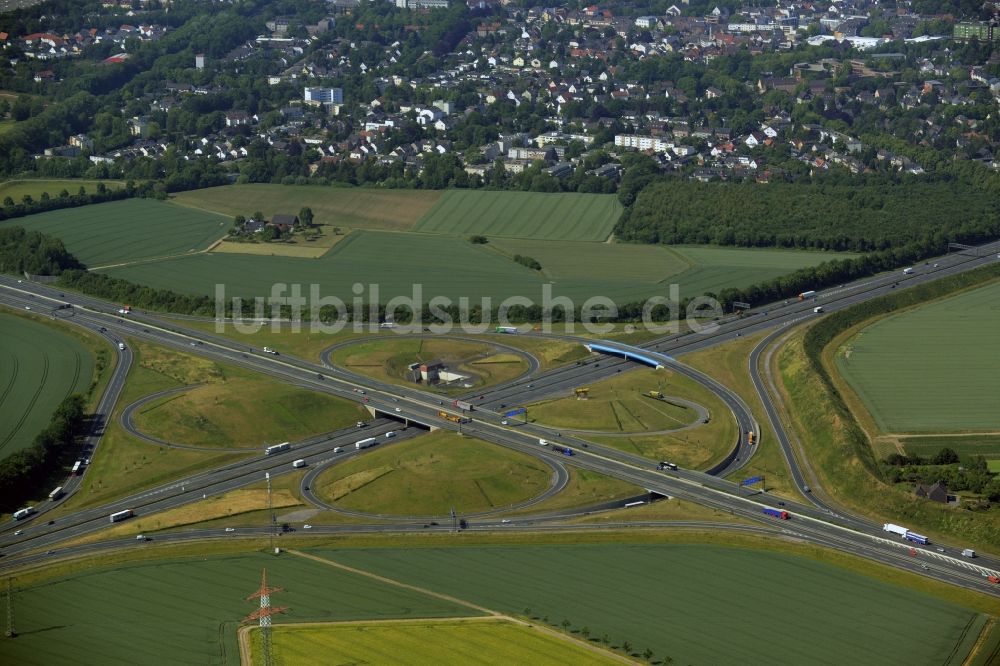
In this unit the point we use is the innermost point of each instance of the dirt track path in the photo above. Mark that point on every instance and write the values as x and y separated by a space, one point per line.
243 633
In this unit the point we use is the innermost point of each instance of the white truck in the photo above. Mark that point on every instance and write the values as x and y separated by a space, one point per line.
365 443
895 529
907 271
121 346
818 309
299 463
21 514
268 350
968 552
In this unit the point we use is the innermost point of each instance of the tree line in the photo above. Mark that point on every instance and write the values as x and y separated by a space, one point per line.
46 202
861 215
23 472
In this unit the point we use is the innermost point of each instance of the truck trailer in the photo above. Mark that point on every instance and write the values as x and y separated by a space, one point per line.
895 529
566 451
277 448
776 513
365 443
806 295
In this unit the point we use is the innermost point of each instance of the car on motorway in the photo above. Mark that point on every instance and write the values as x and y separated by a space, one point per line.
17 533
504 422
230 529
27 307
307 526
505 521
398 409
338 449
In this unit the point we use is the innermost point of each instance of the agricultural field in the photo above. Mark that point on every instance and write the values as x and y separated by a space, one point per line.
440 265
761 607
431 474
345 207
565 216
388 359
714 268
16 189
573 260
966 446
245 411
128 231
189 609
452 267
487 641
930 369
39 367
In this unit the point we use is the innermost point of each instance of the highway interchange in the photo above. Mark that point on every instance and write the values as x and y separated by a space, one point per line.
814 522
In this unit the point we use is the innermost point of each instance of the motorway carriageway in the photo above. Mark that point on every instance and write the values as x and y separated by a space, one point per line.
606 464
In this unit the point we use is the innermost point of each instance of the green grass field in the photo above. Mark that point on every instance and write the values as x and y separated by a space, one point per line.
433 473
619 404
39 367
186 612
346 207
451 267
245 412
931 369
16 189
388 359
566 216
498 642
695 604
126 231
394 261
616 405
966 446
123 465
573 260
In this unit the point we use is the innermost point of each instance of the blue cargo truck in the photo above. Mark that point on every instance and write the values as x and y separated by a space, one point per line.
776 513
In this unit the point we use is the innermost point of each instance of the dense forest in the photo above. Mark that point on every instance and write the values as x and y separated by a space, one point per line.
29 251
860 216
